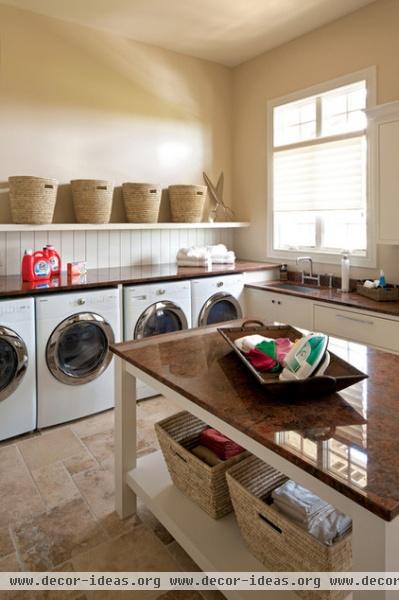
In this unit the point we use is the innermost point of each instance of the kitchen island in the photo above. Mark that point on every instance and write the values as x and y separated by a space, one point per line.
344 447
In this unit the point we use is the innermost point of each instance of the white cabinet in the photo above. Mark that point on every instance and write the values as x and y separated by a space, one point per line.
385 131
283 308
362 327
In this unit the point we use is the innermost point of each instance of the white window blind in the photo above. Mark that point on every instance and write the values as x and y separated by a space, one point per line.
319 172
327 176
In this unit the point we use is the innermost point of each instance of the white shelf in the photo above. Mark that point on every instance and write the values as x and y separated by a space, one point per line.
215 545
120 226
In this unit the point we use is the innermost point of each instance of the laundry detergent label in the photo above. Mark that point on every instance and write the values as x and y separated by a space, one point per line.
41 268
54 263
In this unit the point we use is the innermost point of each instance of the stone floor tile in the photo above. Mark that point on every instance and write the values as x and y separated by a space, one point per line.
55 484
181 557
94 424
19 498
83 461
138 550
97 486
152 523
101 445
6 543
56 536
49 448
180 595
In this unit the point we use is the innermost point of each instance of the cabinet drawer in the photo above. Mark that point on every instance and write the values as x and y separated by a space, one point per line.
360 327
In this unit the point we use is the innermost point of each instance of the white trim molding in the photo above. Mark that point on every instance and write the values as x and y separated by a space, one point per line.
369 75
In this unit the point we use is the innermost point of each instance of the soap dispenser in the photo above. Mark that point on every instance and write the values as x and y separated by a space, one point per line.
345 268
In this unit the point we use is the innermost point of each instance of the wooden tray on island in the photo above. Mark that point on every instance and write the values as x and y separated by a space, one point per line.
338 375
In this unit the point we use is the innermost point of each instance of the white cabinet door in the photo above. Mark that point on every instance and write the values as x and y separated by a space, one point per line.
358 326
388 185
261 304
283 308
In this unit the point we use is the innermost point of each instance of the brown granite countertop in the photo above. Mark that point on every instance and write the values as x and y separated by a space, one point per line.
348 440
14 286
334 296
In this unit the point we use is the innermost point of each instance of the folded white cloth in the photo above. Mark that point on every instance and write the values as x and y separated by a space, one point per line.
228 259
217 250
249 342
193 252
311 513
194 262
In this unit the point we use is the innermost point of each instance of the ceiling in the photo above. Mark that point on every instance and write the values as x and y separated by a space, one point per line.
224 31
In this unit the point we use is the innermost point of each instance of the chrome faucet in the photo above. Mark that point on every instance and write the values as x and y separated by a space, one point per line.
310 275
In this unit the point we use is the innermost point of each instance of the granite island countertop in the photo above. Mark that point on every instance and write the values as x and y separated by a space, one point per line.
350 440
332 296
12 285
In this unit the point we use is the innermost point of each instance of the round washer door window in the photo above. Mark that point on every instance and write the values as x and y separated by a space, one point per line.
161 317
220 307
13 361
78 349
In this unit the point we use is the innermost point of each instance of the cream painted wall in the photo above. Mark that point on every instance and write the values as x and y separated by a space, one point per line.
76 102
367 37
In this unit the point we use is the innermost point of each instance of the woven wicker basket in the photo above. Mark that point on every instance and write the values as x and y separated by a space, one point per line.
142 201
275 540
92 200
32 199
187 202
205 485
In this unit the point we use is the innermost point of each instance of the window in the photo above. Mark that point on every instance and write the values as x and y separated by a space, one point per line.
319 173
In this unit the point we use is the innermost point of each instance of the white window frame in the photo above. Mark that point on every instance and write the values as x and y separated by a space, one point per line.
370 260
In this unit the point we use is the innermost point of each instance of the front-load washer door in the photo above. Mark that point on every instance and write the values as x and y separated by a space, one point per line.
219 307
78 349
161 317
13 361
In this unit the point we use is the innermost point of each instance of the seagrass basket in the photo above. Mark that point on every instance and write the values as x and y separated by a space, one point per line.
275 540
187 202
205 485
92 200
32 199
142 201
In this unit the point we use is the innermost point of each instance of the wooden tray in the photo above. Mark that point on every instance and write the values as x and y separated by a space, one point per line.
338 375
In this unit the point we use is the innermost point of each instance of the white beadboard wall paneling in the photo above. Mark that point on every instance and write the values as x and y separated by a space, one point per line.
114 248
146 258
125 249
79 245
67 253
135 248
13 252
108 248
92 249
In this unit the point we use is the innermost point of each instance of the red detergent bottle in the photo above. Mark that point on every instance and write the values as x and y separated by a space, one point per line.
54 259
35 266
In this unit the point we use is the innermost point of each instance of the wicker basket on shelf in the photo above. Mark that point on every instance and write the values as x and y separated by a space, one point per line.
92 200
142 201
205 485
275 540
32 199
187 202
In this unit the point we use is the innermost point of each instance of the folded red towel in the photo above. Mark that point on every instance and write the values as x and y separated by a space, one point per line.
221 445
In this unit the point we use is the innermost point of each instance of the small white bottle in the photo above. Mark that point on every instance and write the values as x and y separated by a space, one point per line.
345 268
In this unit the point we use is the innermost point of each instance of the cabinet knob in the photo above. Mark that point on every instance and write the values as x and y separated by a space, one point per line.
219 284
278 301
273 301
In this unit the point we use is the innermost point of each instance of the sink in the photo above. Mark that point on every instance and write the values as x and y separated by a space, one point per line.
303 289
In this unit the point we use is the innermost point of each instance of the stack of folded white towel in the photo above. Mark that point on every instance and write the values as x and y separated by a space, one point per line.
205 256
310 512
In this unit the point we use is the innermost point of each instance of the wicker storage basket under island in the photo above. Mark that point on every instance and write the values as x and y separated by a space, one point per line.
205 485
275 540
32 199
92 200
142 201
187 202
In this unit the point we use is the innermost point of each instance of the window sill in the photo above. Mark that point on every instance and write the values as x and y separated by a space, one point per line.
367 262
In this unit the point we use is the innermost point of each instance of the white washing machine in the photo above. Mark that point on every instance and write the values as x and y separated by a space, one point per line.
216 299
75 371
154 309
17 367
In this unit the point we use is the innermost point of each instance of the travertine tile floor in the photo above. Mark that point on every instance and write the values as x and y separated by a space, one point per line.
57 508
